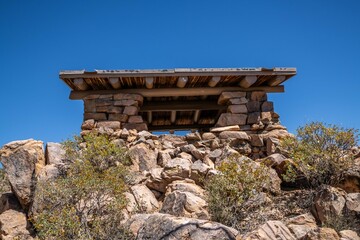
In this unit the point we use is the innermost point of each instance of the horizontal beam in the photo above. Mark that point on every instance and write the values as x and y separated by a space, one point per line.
175 92
166 106
179 127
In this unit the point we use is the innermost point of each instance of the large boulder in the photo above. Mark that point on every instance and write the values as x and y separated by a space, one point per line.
155 181
271 230
13 225
166 227
177 169
23 161
301 225
54 153
142 157
145 198
322 234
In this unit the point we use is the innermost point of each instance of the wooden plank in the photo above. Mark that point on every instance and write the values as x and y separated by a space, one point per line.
177 92
247 81
196 116
214 81
80 84
181 82
149 117
276 81
173 117
115 82
180 127
149 82
180 106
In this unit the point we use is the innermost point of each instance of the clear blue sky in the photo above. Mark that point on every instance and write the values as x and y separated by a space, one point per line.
40 38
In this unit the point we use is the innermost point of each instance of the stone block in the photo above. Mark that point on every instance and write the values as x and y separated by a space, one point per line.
135 119
267 107
131 110
89 106
93 96
126 102
129 96
256 140
106 96
253 106
226 128
95 116
137 126
228 119
118 117
88 124
109 109
234 134
258 96
103 102
226 96
237 101
109 124
237 109
266 117
253 117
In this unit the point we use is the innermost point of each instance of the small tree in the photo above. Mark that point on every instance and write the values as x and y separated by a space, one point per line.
86 202
320 152
239 180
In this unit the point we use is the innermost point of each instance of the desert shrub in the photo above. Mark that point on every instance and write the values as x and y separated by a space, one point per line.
320 152
231 192
86 202
346 221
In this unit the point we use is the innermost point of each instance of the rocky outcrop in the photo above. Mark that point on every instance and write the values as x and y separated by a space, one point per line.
14 225
271 230
166 227
23 161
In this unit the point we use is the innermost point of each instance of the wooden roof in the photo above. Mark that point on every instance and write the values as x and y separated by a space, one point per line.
193 91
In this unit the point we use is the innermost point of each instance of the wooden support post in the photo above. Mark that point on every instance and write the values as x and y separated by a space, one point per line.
276 81
173 117
196 116
80 84
214 81
149 117
247 81
149 82
114 82
182 82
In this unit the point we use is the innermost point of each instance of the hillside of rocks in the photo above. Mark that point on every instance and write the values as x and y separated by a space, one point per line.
168 187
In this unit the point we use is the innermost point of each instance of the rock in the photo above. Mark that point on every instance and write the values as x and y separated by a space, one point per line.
198 153
163 157
322 234
351 179
49 172
277 133
185 155
9 201
254 119
118 117
226 96
131 205
136 126
256 140
186 185
237 109
234 134
131 110
328 203
185 204
226 128
145 198
88 124
143 157
213 155
301 225
22 161
13 225
155 181
237 101
267 107
177 169
348 235
193 136
353 202
95 116
228 119
271 230
208 136
54 153
166 227
258 96
199 171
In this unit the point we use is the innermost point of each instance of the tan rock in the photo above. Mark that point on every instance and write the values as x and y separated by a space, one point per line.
135 119
89 106
237 109
353 202
136 97
348 235
301 225
136 126
142 157
256 140
23 161
226 128
118 117
108 124
208 136
253 118
155 180
267 107
237 101
322 234
54 153
234 134
109 109
145 199
177 169
258 96
95 116
228 119
271 230
13 225
131 110
226 96
126 102
88 124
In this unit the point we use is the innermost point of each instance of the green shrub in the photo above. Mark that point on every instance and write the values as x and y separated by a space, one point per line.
86 202
229 191
320 152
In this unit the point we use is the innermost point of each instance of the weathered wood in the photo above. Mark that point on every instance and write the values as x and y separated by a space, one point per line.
196 116
170 92
80 84
115 82
149 82
173 117
276 81
181 106
179 127
181 82
247 81
214 81
149 117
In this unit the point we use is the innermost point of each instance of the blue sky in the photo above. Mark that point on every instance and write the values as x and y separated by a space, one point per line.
40 38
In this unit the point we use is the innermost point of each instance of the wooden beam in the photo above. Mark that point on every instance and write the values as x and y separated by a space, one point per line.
80 84
247 81
149 117
181 82
173 117
214 81
179 127
115 82
276 81
149 82
170 92
196 116
180 106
